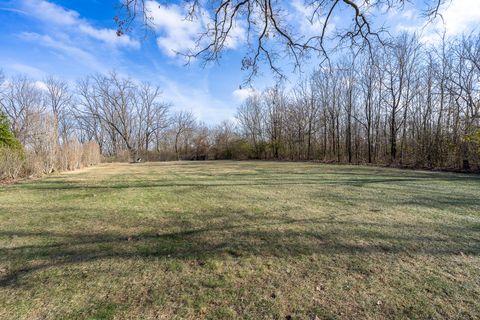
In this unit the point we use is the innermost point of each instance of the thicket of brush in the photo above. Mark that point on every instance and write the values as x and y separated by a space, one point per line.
44 155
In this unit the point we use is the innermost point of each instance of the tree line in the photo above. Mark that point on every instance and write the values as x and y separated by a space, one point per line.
407 104
404 104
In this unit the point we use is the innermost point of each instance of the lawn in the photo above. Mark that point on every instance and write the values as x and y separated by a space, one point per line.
241 240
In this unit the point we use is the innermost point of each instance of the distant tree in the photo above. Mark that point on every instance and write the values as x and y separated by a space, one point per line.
275 103
119 113
223 136
152 113
183 123
58 99
251 118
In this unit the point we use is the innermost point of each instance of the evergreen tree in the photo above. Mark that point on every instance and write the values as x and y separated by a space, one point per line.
7 139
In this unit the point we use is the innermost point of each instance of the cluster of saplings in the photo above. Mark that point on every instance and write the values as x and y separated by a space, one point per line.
408 103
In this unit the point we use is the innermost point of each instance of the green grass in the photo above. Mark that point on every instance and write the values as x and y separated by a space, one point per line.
246 240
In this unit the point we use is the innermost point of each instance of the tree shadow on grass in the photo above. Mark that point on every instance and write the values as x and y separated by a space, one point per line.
205 183
223 233
322 176
417 192
238 237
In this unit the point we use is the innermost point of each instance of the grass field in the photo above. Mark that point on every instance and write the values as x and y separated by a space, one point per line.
246 240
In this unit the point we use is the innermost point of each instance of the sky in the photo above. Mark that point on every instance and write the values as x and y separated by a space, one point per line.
74 38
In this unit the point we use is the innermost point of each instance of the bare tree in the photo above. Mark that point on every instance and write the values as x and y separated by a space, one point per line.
399 67
201 142
368 80
22 101
308 107
58 99
183 123
111 99
153 113
275 104
250 116
223 137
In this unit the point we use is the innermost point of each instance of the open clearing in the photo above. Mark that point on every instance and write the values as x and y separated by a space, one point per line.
248 240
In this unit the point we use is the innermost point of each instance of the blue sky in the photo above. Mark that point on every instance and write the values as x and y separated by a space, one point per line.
74 38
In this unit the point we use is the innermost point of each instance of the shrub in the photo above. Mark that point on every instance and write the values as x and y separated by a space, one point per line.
91 154
11 163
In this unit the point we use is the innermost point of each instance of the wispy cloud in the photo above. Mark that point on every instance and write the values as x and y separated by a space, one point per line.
74 52
242 94
56 16
456 17
73 41
12 10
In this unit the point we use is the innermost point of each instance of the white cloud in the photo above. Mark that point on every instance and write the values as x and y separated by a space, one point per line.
72 51
109 36
55 15
242 94
178 33
41 85
461 16
50 12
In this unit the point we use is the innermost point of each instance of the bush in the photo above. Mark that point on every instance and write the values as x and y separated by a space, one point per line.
11 163
91 154
69 156
241 149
